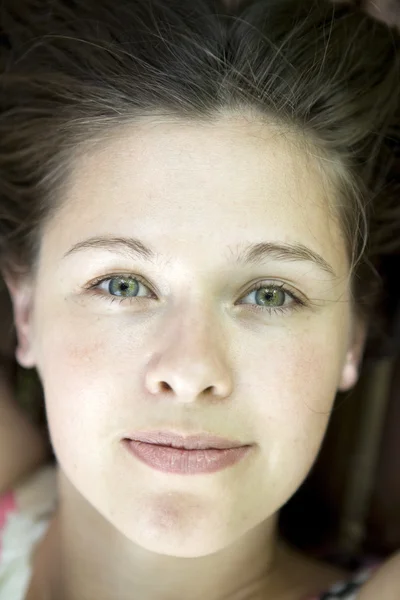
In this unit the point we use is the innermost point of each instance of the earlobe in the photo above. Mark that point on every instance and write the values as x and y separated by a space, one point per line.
21 293
349 373
351 367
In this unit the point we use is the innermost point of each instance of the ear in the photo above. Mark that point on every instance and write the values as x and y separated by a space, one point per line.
21 290
351 367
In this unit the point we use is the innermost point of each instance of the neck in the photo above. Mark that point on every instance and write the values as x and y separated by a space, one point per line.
94 560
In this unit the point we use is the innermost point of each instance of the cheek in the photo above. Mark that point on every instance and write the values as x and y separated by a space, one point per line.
310 371
79 373
293 390
80 348
73 358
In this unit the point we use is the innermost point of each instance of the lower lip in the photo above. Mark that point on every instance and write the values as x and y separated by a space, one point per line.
186 462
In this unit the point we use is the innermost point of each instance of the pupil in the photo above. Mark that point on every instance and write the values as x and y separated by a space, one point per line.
119 287
270 297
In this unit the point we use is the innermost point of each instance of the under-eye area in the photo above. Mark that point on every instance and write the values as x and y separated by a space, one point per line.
198 210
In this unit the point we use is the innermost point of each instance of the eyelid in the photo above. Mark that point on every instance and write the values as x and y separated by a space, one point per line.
96 282
296 304
298 301
275 284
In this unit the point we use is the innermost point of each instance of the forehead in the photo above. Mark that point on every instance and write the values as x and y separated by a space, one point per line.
225 181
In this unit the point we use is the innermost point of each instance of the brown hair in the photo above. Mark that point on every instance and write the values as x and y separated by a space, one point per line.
71 70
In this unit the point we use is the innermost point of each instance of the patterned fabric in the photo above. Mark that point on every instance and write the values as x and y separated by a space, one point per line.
24 519
7 506
348 590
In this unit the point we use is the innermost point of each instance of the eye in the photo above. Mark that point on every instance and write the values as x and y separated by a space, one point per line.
271 296
274 298
124 287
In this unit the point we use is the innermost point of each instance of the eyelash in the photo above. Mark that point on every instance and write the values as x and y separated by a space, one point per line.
296 305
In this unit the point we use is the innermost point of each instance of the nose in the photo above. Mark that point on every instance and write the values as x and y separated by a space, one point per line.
190 360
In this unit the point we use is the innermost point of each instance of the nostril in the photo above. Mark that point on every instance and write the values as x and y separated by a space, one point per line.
165 387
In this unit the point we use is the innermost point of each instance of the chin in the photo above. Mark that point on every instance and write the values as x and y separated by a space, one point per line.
177 536
168 544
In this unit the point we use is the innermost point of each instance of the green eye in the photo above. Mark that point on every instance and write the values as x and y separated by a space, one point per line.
273 299
266 296
270 296
123 286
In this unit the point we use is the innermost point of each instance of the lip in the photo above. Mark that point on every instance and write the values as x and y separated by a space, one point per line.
201 441
185 462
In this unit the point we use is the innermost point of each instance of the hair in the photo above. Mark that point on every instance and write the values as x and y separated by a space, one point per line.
74 71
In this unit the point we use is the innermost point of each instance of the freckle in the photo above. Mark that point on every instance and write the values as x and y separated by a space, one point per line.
83 352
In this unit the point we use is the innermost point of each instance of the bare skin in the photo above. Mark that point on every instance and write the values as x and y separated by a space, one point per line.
385 584
147 364
305 576
292 576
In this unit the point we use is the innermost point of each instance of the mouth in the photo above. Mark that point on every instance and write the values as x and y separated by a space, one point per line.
185 461
201 441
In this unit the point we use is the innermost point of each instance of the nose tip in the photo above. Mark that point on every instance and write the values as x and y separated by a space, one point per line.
188 385
191 362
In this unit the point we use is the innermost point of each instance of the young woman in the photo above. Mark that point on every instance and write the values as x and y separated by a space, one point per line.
194 203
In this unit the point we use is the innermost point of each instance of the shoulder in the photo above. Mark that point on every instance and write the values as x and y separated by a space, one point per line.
313 579
25 513
321 577
309 577
34 499
384 582
362 584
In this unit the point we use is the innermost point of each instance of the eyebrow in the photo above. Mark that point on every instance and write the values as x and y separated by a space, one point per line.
250 254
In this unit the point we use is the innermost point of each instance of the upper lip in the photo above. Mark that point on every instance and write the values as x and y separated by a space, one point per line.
200 441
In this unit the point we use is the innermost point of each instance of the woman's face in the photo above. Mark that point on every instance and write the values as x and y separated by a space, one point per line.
192 345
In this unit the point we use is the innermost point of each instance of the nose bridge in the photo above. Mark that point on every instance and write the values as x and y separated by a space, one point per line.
192 357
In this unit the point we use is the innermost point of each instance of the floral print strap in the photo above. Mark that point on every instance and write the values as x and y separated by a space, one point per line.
348 590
